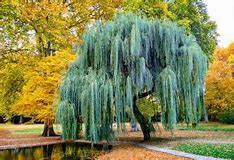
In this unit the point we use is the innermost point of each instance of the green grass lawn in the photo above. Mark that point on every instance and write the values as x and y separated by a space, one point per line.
35 129
212 126
213 150
29 131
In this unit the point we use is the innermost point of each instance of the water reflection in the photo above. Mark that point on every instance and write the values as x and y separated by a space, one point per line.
63 151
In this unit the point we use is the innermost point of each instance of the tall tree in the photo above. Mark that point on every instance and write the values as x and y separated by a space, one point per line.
12 72
42 28
127 59
46 26
38 96
11 83
220 84
191 14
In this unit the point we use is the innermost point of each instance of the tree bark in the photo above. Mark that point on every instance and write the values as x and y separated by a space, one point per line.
48 130
146 126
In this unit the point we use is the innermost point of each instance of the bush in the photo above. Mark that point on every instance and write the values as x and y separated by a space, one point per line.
227 118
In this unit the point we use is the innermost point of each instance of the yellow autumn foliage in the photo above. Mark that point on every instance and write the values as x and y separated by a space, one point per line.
60 23
38 96
220 83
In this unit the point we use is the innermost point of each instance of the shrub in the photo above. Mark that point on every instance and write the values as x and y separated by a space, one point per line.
227 118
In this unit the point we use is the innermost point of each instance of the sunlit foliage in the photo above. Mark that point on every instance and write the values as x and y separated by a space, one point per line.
149 106
38 96
48 26
220 84
11 83
37 29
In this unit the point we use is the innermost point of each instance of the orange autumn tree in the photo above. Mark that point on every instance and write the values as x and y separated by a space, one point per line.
220 86
38 96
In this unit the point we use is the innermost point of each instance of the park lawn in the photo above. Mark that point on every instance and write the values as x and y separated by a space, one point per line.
211 126
38 128
205 149
219 132
34 129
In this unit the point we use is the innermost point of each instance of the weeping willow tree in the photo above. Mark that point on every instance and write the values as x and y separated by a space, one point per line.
126 59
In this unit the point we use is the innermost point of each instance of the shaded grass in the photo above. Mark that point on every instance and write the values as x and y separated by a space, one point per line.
213 150
208 127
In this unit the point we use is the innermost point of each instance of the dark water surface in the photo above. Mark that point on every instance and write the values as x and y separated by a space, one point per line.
62 151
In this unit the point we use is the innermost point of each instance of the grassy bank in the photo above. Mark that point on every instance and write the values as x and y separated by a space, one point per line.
213 150
212 126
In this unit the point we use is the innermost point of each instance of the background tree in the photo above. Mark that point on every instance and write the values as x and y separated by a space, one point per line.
11 83
46 26
149 107
127 59
12 71
220 85
38 96
191 14
39 29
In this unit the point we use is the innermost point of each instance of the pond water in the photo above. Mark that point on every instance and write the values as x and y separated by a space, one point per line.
62 151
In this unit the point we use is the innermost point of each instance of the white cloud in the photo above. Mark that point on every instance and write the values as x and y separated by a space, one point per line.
222 11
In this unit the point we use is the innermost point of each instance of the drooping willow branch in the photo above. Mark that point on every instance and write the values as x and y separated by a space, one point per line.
126 59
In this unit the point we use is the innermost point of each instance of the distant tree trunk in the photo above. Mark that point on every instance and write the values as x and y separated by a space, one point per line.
146 126
21 119
48 130
205 115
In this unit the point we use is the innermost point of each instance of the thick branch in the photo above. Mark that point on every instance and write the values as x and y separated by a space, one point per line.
145 94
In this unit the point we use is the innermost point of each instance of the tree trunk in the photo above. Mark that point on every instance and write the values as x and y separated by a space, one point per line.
48 130
21 119
142 121
205 115
146 126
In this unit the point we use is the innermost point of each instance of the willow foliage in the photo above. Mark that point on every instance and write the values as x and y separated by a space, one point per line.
123 58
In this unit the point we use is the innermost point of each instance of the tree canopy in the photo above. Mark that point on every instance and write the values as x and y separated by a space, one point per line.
46 26
126 59
38 96
191 14
220 84
11 83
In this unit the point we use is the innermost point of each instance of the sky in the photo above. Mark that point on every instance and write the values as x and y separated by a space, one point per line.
222 11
